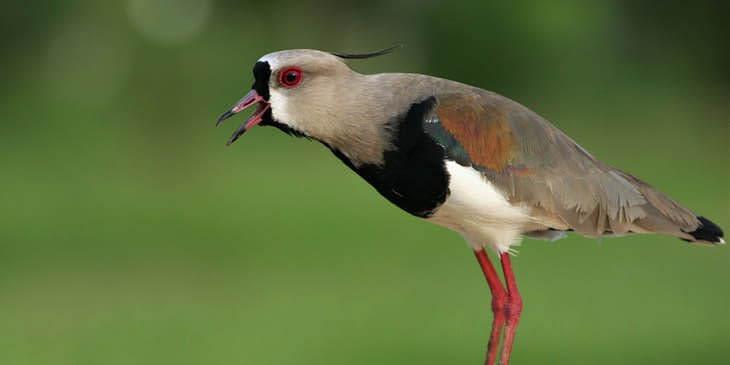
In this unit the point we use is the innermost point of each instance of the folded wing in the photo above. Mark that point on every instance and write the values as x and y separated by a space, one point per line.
534 164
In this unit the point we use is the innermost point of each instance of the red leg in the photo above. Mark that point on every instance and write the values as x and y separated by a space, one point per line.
513 309
499 299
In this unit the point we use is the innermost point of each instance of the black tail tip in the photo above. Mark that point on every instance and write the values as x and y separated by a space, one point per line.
707 231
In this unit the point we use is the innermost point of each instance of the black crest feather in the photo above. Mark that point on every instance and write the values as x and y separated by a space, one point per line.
367 55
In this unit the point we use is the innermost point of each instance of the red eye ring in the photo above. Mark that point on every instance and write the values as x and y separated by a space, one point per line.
290 77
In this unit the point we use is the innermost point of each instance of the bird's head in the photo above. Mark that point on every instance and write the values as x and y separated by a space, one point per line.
299 91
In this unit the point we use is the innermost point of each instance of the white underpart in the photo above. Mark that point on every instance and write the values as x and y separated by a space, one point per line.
480 213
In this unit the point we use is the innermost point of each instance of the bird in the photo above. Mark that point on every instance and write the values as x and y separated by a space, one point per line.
461 157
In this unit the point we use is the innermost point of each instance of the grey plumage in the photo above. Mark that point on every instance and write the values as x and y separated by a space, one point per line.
463 158
529 161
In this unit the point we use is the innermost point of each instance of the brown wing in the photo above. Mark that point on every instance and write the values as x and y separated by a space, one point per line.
537 165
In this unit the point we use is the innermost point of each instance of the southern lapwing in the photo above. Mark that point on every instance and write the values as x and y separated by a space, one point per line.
461 157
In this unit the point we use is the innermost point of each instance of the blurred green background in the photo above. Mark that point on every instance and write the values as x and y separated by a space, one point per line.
129 233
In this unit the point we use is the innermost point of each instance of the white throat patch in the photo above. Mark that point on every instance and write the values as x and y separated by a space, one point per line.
280 109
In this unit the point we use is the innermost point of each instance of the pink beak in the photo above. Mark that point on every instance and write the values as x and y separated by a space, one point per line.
251 98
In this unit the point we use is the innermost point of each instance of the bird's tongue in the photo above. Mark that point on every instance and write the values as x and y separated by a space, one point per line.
257 115
254 119
251 98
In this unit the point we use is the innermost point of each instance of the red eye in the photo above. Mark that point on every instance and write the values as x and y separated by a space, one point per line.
290 77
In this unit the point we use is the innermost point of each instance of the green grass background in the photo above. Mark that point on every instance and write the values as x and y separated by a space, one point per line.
129 234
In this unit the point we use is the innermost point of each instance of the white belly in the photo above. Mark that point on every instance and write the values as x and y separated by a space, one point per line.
479 212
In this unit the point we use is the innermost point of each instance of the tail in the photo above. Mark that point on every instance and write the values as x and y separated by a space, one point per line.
666 216
706 233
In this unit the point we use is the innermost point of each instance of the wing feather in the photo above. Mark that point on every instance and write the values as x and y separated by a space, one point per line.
537 165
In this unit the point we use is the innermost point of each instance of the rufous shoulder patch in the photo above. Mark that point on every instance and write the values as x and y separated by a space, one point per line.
482 130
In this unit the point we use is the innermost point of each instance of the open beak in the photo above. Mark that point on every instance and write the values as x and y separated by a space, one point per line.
250 99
